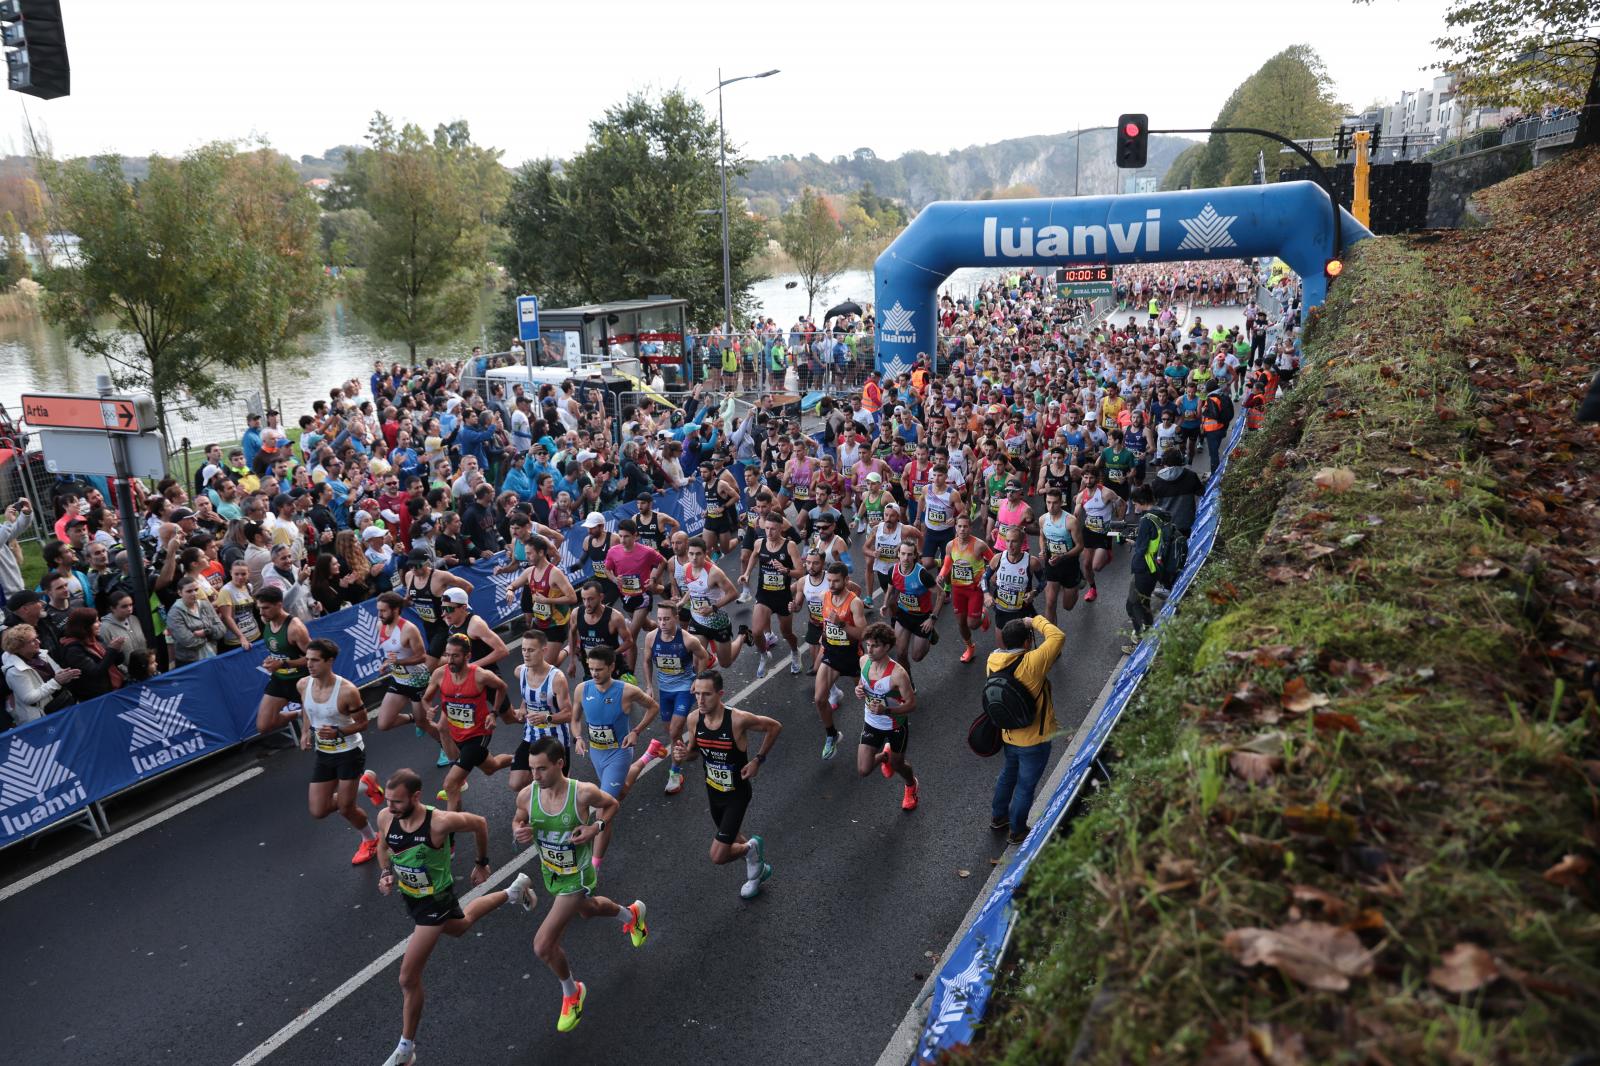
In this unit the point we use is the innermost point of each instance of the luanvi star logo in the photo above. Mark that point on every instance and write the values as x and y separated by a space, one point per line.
1206 231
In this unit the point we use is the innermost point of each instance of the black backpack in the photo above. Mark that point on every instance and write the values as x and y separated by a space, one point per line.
1173 553
1007 701
1224 407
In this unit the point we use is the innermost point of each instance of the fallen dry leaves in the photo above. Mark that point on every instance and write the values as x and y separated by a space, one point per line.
1464 968
1335 479
1315 954
1570 872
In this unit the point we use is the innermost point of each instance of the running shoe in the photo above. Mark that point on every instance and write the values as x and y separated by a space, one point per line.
1129 649
635 927
654 751
968 655
794 665
443 795
369 781
744 594
762 658
759 847
1091 595
401 1058
365 853
443 760
520 891
674 782
417 729
999 825
572 1010
984 625
909 802
629 678
752 888
830 745
884 765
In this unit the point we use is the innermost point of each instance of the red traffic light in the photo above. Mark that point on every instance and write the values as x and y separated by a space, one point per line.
1131 129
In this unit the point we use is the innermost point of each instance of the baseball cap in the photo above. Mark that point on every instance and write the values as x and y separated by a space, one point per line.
595 519
209 471
585 455
180 514
875 477
372 533
18 600
455 596
76 520
418 555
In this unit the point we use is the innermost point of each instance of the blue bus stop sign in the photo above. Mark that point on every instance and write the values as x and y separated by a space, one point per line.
528 319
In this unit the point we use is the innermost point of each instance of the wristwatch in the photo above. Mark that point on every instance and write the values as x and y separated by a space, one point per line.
599 824
760 758
483 860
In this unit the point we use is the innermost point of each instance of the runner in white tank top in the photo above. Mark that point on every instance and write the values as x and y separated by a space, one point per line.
332 720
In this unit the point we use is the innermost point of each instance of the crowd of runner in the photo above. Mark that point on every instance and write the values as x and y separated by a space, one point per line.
998 486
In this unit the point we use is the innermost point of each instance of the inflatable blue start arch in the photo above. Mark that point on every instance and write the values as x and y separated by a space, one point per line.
1291 220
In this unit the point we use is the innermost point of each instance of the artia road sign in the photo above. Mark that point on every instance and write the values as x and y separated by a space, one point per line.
115 414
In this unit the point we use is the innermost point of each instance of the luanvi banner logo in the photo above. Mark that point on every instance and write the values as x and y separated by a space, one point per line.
161 734
35 786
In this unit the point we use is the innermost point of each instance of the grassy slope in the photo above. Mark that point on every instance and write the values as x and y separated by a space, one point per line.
1435 606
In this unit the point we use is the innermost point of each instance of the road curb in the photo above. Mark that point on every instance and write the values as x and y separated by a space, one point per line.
903 1044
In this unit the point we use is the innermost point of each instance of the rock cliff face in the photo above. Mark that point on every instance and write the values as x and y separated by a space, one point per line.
1047 163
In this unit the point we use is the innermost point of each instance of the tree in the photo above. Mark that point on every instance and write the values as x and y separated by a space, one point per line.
815 243
1291 94
1527 54
634 213
16 261
146 286
271 299
346 236
432 203
1182 172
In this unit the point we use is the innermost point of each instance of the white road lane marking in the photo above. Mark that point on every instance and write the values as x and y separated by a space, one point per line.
126 834
368 972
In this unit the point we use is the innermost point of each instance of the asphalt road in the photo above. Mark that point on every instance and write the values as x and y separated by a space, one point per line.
201 939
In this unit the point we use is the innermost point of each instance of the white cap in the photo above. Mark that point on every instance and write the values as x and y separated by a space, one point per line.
595 519
455 595
585 456
209 471
372 533
874 477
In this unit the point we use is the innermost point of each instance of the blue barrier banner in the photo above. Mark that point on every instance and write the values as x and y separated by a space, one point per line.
43 771
965 981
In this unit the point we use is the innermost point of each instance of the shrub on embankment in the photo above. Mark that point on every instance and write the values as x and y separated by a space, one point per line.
1353 814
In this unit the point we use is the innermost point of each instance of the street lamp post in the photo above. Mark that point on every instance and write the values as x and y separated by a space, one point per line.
722 152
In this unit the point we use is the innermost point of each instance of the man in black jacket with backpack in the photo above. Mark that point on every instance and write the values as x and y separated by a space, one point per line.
1158 555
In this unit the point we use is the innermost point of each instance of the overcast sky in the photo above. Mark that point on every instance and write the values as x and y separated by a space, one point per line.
166 75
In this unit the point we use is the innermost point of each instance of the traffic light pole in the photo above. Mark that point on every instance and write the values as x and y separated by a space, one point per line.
1317 168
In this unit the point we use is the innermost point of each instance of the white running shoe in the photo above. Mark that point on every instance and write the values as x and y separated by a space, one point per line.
401 1058
520 891
794 664
762 658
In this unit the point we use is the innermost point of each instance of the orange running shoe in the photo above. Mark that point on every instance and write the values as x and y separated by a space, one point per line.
909 803
968 655
365 853
884 765
369 781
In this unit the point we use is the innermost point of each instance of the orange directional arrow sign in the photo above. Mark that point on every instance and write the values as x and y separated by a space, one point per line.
116 414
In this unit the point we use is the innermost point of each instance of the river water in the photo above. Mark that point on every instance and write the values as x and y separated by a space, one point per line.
36 356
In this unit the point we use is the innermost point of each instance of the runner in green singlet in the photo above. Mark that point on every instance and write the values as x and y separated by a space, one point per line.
564 839
414 855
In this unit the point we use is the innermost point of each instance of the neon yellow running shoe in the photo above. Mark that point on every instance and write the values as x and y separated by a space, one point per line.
572 1009
635 927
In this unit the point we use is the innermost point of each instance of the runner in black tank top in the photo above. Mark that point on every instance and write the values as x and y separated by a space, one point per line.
649 532
479 647
429 610
596 634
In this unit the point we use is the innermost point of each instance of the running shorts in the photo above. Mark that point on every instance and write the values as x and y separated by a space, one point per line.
846 660
436 639
727 811
896 738
1066 572
339 765
284 688
967 601
776 602
676 705
472 752
436 909
719 629
934 544
640 602
611 768
412 693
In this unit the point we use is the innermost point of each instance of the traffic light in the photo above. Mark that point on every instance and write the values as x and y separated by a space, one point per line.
1133 141
36 57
